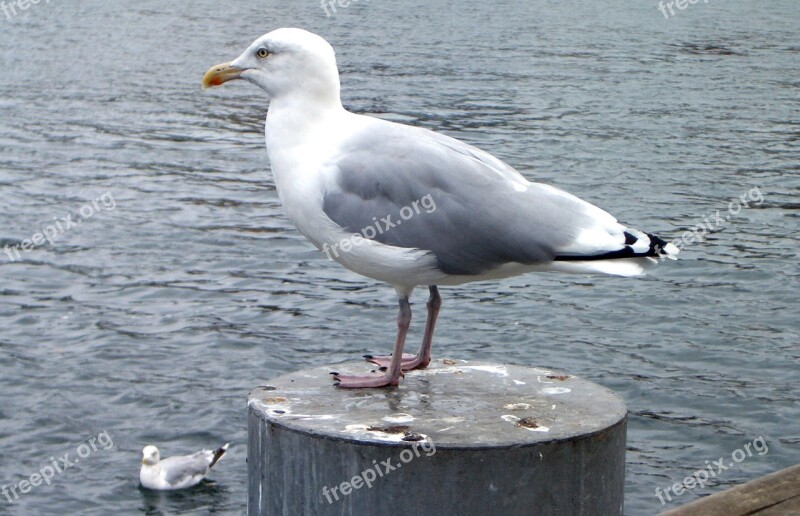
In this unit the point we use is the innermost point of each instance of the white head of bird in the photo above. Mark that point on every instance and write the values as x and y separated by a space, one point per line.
150 456
285 63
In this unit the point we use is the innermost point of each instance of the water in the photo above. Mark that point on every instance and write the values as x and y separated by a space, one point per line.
150 321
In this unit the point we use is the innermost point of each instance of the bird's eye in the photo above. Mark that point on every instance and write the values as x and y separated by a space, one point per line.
262 53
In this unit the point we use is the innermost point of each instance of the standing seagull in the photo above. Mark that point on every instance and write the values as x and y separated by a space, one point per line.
409 206
176 472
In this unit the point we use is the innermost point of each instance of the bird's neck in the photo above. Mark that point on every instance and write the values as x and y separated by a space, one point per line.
151 471
291 119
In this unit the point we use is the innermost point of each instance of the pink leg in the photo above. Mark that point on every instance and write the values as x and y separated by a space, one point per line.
423 356
392 373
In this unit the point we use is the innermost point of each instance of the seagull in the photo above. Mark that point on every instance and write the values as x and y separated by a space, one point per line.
176 472
412 207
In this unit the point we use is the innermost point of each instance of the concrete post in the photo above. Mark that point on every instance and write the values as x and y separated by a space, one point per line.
465 438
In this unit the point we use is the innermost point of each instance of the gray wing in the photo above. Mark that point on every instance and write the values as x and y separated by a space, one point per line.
484 214
180 469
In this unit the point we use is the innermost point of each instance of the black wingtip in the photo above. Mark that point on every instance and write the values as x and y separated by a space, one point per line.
656 249
657 245
218 453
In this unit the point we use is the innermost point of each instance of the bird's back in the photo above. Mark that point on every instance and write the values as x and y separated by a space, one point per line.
486 213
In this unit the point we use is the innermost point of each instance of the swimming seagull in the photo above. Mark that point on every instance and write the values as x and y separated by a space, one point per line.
409 206
176 472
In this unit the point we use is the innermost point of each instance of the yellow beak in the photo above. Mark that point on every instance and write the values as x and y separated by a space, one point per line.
221 73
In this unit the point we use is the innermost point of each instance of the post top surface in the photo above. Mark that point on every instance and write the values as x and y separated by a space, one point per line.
456 403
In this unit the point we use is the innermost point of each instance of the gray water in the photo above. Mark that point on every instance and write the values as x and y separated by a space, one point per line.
185 286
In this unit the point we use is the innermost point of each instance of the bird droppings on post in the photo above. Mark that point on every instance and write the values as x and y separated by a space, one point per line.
508 425
556 390
494 369
391 434
528 422
398 418
517 406
453 419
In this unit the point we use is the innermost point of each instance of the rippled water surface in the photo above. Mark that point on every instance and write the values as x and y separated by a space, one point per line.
152 320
